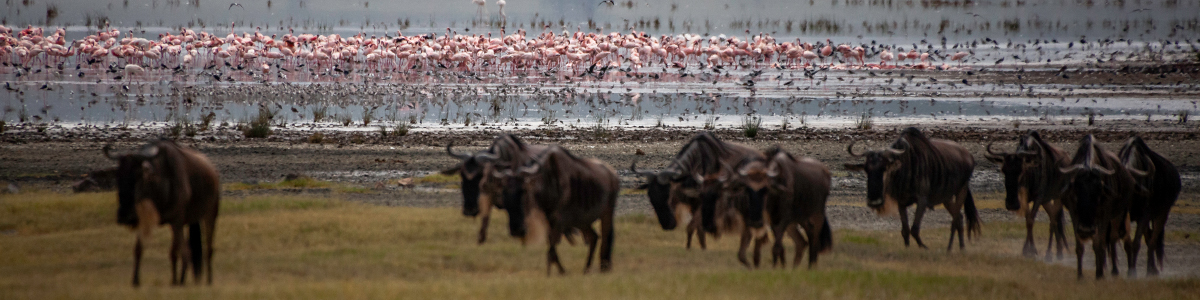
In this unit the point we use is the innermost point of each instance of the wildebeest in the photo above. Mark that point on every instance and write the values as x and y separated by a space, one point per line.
922 171
165 183
1151 206
1098 197
681 187
566 192
792 192
479 188
1032 180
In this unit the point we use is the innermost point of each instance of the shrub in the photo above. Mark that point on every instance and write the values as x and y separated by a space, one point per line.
864 122
319 113
316 138
751 125
260 125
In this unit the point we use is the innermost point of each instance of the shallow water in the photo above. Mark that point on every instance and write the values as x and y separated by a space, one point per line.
867 20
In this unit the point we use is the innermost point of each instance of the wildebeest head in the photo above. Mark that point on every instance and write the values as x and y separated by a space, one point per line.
658 188
472 169
754 179
524 185
1016 168
1089 188
877 163
137 180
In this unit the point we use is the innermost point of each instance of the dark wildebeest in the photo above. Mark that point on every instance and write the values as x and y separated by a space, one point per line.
681 187
165 183
479 188
1152 206
790 192
1099 197
559 192
1032 180
922 171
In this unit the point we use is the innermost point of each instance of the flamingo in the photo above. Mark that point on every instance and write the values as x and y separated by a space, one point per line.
503 17
481 4
959 57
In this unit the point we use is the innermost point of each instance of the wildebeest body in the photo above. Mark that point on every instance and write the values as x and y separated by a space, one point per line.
168 184
480 189
1159 189
1032 180
924 172
571 193
1098 198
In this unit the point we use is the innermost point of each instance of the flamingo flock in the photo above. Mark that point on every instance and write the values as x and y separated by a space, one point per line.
480 54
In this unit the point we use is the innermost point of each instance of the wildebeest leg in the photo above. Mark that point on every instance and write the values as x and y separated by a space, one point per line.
1055 216
1030 249
813 230
918 214
483 224
1154 246
956 225
758 243
904 224
778 259
606 231
137 261
209 228
1112 255
1079 257
743 244
1059 225
195 251
589 237
1100 248
799 242
552 253
178 255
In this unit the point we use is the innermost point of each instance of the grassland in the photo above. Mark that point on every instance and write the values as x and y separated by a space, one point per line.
290 247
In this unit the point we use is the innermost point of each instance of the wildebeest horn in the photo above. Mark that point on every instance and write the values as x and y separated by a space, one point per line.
1071 169
1103 170
633 168
149 151
458 156
898 152
1138 173
106 150
993 153
850 149
486 157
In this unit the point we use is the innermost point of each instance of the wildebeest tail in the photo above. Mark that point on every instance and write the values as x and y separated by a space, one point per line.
196 249
826 236
973 227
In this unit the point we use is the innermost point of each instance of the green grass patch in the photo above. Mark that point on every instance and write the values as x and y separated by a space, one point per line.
301 183
301 247
439 178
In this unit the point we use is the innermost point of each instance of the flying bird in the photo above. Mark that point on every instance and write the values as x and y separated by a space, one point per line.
231 5
609 2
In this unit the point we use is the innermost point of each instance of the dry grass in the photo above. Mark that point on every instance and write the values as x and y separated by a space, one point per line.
67 246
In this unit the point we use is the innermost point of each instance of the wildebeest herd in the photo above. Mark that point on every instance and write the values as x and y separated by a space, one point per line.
719 187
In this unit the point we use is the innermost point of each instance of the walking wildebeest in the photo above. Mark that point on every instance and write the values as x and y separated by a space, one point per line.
1099 197
922 171
479 188
1152 206
792 192
1031 179
565 192
679 189
166 183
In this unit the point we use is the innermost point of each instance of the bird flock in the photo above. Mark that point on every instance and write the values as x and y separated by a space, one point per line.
312 57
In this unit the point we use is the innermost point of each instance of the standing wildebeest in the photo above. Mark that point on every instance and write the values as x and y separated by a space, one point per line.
479 188
792 192
922 171
565 192
1031 179
1152 206
1099 197
680 188
165 183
